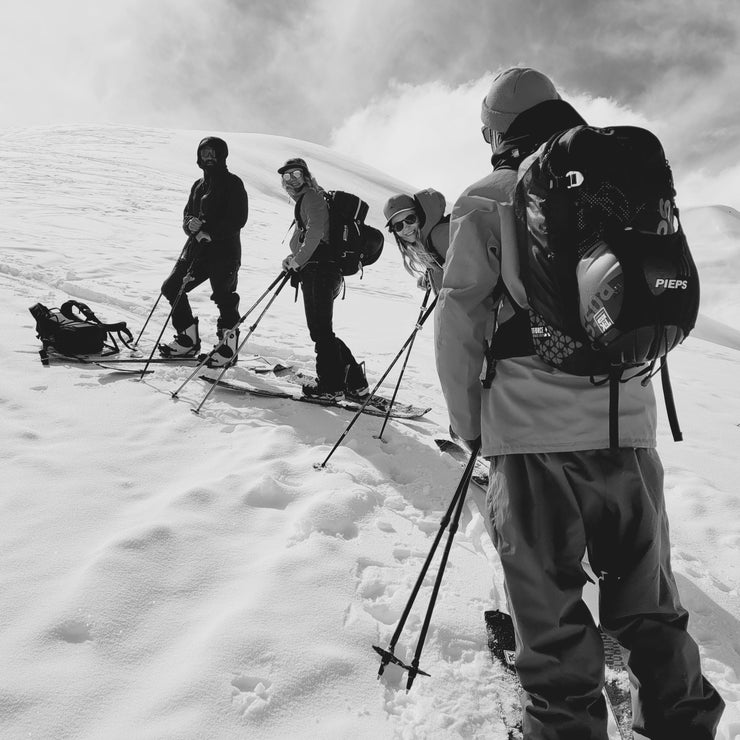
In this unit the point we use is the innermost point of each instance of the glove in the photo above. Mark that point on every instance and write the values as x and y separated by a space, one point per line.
194 225
290 265
469 443
422 282
201 236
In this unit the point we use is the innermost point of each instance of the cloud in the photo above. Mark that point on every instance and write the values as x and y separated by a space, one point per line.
429 135
306 70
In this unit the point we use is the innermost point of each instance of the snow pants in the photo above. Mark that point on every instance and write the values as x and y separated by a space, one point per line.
547 511
223 273
320 285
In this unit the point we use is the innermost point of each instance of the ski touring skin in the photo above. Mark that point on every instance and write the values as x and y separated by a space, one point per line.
617 686
378 406
502 644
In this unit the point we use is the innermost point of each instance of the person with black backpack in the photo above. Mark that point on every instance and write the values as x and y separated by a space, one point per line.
422 233
561 486
313 264
215 213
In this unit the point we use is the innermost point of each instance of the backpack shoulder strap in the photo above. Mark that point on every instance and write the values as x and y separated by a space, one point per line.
297 213
67 310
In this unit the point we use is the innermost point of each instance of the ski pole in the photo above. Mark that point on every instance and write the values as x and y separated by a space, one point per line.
420 323
156 303
285 278
451 517
405 362
185 282
159 297
227 335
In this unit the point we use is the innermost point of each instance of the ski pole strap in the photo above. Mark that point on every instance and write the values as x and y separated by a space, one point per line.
670 404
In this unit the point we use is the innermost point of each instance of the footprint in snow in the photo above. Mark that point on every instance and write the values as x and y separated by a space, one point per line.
251 693
72 631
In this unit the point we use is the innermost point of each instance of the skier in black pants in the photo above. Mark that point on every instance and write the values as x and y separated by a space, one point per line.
216 211
337 371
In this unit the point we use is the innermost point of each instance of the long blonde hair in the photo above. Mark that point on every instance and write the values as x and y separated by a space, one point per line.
416 257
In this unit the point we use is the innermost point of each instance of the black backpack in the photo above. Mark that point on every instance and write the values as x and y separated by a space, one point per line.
609 277
71 334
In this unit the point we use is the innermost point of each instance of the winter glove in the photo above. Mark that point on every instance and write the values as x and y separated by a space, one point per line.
290 264
194 225
469 443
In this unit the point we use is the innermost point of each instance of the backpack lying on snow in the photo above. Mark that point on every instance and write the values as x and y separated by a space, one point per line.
609 277
76 334
353 243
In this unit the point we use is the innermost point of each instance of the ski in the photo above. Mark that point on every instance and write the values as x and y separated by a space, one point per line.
502 645
458 453
377 407
259 369
162 360
617 686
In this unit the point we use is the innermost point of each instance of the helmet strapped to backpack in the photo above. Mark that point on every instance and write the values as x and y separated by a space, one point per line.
608 274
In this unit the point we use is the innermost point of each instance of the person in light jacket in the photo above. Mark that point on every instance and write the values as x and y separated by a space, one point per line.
338 374
557 491
422 233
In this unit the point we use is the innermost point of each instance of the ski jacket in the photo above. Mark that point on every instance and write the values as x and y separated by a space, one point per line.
434 231
530 406
220 201
310 239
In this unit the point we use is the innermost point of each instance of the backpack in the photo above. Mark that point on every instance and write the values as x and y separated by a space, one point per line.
609 277
73 334
353 244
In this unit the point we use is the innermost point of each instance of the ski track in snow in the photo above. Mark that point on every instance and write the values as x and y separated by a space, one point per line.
174 576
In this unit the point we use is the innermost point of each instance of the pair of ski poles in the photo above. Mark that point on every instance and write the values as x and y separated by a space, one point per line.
451 518
424 314
280 281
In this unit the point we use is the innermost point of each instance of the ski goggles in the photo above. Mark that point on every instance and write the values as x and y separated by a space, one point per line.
491 136
399 226
293 174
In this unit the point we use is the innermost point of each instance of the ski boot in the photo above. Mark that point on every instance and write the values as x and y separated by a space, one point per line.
185 344
356 387
224 354
318 391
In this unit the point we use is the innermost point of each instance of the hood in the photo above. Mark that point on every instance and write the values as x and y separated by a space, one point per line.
219 145
432 206
532 128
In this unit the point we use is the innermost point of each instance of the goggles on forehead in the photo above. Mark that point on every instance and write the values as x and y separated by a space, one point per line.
293 174
399 226
490 136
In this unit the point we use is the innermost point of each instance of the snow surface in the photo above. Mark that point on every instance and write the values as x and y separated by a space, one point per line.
167 575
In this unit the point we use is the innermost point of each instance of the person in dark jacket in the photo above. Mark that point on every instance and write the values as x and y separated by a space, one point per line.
310 259
557 491
216 211
422 233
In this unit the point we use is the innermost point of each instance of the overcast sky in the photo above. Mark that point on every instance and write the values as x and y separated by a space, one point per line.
396 84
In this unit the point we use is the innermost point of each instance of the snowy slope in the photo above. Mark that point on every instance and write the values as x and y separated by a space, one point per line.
176 576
